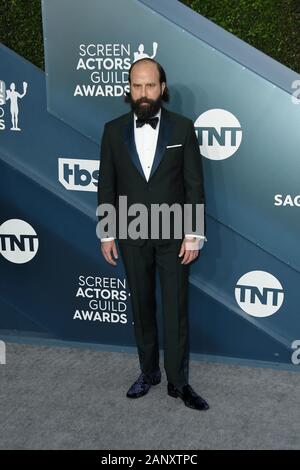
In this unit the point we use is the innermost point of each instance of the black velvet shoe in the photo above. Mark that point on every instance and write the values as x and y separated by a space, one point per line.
143 384
189 397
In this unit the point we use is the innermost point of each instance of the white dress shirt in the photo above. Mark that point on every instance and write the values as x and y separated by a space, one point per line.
146 141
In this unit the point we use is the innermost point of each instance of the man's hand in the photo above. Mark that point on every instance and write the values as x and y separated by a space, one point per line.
190 249
108 249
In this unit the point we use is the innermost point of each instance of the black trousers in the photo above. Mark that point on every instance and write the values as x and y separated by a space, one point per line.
140 263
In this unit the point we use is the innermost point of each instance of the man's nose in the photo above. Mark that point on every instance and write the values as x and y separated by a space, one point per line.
144 92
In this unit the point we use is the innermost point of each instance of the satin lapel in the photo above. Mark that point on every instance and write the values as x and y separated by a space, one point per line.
162 140
131 147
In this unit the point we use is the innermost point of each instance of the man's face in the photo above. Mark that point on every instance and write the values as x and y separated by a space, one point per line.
145 90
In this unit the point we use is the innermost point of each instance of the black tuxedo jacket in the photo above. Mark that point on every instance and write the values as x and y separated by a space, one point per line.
176 175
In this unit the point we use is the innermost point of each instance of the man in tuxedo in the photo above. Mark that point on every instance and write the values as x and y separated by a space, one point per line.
151 156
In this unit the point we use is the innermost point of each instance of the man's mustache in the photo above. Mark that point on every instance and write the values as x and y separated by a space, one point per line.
144 100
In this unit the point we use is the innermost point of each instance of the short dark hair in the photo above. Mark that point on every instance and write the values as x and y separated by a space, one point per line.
162 77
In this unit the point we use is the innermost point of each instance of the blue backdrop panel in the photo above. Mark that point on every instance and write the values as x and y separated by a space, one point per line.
54 159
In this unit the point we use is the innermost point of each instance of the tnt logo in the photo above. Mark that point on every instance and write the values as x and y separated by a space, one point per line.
219 134
78 175
18 241
259 293
2 352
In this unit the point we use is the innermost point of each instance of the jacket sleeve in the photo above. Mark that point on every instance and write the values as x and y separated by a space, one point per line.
193 186
106 192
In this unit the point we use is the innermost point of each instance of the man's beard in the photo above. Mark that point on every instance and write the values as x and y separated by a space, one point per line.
145 111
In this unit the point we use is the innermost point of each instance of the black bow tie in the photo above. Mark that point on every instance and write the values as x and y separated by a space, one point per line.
152 121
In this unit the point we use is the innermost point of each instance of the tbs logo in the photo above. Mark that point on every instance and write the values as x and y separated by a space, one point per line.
78 175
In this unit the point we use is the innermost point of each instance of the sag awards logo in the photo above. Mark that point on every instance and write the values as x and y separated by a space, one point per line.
102 299
287 200
18 241
107 66
259 294
12 97
219 134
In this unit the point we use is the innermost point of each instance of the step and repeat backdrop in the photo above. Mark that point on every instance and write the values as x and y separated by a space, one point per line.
244 287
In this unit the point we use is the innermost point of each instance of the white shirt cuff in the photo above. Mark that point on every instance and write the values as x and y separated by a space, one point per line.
195 244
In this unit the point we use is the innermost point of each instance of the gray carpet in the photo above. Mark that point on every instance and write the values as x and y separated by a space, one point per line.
70 398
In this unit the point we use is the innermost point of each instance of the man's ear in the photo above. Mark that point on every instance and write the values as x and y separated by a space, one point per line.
163 86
